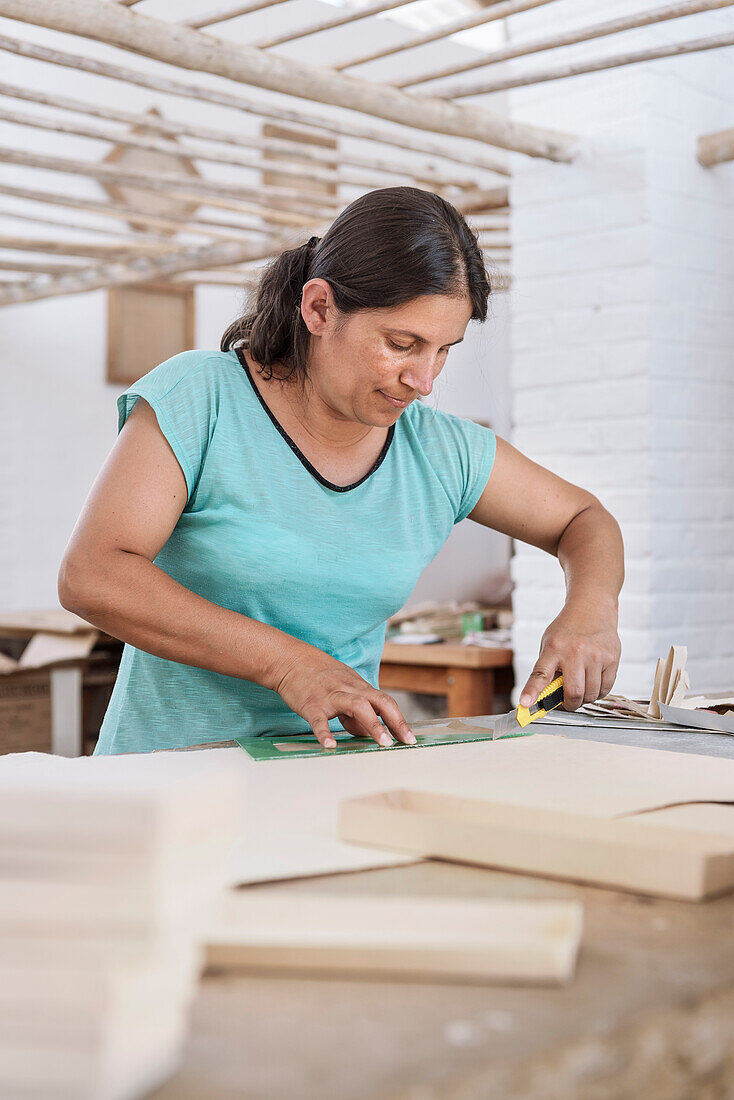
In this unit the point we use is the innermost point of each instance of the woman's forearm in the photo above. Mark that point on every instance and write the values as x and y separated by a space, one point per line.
582 641
132 599
591 554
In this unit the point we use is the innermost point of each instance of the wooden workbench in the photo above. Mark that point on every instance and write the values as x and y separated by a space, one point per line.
650 1015
467 675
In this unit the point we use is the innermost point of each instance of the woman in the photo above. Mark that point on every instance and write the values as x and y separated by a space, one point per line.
266 508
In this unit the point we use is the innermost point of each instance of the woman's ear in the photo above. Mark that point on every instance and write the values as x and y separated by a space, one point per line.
317 306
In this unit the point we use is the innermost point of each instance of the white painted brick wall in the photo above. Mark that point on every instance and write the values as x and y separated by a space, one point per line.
623 331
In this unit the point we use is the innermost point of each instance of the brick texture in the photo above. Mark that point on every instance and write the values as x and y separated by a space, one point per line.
623 328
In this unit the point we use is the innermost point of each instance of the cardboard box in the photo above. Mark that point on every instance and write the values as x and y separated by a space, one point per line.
56 677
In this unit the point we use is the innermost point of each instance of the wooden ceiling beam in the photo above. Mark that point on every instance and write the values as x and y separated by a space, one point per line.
222 15
437 34
569 38
191 49
278 146
39 267
58 247
351 15
78 227
138 140
129 213
406 141
139 269
579 68
187 188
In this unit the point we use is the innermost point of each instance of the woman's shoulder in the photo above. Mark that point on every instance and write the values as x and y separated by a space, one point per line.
446 439
195 370
430 422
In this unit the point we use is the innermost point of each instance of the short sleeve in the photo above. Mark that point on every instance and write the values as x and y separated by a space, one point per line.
460 452
476 446
183 393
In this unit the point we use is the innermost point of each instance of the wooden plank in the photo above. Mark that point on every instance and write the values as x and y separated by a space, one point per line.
373 7
471 941
631 853
290 812
23 624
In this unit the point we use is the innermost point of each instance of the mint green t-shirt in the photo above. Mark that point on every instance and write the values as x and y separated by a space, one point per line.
263 534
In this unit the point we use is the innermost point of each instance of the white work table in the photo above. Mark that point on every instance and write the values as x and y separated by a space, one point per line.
650 1013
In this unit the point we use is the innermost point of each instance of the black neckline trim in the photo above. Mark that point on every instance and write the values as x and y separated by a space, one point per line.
299 453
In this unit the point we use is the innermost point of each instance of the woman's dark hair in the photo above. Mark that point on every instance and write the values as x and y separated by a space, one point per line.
384 249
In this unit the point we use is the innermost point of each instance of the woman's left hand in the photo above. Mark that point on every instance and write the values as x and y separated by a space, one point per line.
581 643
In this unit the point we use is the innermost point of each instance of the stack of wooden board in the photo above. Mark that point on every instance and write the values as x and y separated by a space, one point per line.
110 869
467 939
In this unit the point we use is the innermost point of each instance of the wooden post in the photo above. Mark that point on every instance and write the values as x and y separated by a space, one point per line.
190 49
716 148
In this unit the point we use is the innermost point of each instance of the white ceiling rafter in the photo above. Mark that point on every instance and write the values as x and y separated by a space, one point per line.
190 49
353 128
569 38
390 113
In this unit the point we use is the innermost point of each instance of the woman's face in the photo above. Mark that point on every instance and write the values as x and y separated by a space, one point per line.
369 366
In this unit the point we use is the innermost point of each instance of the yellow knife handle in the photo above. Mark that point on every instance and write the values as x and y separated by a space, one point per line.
549 698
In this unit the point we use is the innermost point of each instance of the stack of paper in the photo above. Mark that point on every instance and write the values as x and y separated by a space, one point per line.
110 871
669 707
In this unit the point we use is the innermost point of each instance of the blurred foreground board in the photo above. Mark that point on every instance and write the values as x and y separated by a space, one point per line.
467 940
110 868
679 851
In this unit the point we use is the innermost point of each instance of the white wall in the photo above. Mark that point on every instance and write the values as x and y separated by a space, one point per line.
57 415
623 333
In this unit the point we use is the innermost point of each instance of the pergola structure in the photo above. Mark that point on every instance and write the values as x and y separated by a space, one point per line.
162 235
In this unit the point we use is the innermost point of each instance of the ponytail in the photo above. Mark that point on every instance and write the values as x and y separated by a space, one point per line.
274 331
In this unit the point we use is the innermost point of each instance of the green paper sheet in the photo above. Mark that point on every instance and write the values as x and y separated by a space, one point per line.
296 746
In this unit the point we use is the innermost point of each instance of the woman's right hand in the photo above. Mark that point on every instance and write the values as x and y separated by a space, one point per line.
318 688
